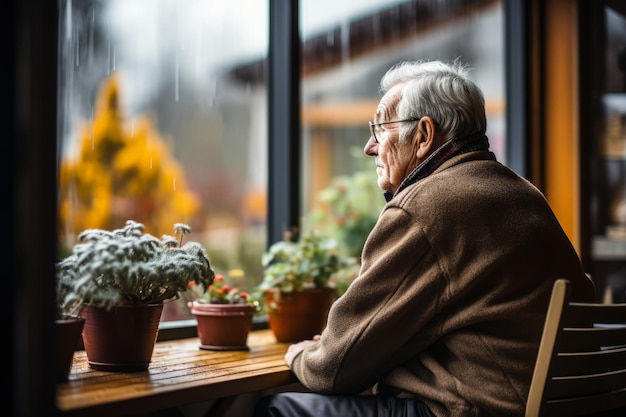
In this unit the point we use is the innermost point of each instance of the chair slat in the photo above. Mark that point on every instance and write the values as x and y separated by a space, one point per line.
571 364
587 385
590 339
580 313
581 406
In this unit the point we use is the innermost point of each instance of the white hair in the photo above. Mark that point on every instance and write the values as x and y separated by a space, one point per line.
444 92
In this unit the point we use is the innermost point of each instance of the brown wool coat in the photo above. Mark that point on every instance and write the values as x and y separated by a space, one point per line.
452 294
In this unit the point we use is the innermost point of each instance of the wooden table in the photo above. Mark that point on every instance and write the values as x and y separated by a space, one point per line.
180 373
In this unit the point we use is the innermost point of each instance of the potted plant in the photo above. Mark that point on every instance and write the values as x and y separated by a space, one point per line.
299 284
121 279
69 326
224 316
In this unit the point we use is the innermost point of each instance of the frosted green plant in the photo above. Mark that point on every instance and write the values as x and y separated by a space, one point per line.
127 266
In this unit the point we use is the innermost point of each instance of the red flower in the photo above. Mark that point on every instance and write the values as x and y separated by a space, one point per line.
221 293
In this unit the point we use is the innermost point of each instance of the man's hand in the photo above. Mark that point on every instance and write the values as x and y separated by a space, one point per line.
296 348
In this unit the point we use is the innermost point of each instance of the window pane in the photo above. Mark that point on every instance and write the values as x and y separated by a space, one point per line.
154 127
345 54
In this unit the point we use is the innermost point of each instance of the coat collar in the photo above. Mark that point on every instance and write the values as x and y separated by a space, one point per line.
452 148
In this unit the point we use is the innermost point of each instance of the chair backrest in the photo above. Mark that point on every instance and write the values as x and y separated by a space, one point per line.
581 365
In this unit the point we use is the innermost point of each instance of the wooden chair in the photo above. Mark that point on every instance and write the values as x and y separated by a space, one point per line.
581 365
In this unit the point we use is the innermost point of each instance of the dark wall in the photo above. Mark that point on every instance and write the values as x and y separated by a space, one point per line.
28 176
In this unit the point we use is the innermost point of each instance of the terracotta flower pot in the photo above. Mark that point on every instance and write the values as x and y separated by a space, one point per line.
223 326
298 315
68 330
122 338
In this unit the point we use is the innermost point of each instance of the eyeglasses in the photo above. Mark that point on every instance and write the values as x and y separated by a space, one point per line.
376 127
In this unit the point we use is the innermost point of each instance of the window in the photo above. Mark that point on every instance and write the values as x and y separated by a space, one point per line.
155 126
163 113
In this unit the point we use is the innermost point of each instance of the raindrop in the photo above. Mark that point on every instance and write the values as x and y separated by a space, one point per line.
77 49
176 80
132 130
174 184
114 56
211 89
93 144
345 39
150 162
68 21
109 52
91 35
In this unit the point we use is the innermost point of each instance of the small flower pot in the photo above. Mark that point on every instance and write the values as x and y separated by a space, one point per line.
68 335
298 315
223 326
121 339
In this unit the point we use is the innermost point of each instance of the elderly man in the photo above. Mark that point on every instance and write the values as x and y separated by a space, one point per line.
447 312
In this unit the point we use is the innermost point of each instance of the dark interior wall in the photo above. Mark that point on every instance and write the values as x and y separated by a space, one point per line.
28 174
7 79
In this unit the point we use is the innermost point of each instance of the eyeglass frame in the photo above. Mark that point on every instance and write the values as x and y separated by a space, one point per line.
373 125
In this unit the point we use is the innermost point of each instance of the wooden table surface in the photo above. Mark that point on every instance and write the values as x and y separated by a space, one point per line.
180 373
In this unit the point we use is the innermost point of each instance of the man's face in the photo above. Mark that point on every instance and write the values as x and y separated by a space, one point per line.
394 159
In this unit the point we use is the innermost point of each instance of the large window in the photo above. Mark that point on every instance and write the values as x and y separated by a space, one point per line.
155 127
163 113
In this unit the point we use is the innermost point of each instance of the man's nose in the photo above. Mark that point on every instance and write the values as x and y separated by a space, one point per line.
370 148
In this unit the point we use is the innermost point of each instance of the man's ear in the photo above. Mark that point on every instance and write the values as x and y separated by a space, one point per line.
426 134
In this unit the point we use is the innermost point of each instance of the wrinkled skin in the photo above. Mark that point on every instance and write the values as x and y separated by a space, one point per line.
395 159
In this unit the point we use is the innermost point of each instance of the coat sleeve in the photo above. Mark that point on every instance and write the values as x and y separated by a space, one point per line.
386 316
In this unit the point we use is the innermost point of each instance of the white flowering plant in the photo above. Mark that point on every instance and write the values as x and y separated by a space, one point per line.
128 267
